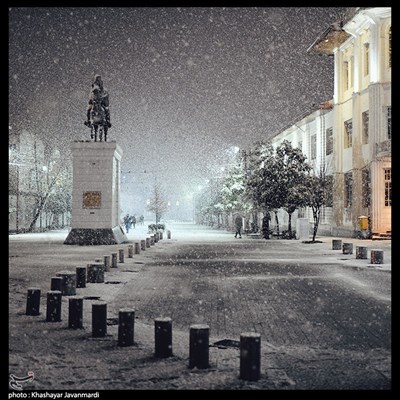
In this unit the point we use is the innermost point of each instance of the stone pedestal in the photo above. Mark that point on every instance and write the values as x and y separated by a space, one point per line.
96 194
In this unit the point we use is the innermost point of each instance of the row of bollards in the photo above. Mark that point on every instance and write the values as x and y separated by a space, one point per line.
361 251
250 343
66 282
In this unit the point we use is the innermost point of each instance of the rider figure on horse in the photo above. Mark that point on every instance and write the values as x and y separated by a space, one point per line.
98 97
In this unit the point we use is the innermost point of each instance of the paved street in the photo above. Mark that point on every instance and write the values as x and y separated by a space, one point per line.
324 317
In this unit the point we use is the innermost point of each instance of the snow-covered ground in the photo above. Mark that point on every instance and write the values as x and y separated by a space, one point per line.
65 359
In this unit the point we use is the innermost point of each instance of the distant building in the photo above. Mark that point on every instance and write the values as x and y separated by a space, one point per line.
28 174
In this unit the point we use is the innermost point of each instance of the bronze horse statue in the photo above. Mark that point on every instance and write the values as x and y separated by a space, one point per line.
98 115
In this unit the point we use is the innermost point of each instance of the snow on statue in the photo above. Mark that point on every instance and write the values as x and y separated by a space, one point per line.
98 112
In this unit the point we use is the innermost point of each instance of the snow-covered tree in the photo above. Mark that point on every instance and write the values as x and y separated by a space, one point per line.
292 171
158 203
318 187
233 190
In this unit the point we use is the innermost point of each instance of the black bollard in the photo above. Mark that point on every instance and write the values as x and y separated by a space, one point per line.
148 243
199 346
69 283
347 248
137 248
156 237
143 245
33 301
126 326
95 273
161 235
107 262
99 319
163 337
336 244
80 277
152 240
130 251
168 234
361 252
121 255
53 312
75 312
250 356
56 283
376 256
114 260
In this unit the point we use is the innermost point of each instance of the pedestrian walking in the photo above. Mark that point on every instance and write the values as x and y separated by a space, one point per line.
127 222
238 225
133 221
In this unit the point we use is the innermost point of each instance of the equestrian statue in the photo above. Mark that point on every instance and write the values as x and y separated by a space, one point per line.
98 113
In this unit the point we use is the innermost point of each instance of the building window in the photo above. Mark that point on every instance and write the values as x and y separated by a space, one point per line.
351 67
366 59
313 149
389 122
348 189
390 47
365 126
346 75
366 185
348 133
388 187
329 141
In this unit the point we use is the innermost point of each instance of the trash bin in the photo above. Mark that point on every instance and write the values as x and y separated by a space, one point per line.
363 222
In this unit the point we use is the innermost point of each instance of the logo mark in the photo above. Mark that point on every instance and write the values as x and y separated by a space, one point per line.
15 381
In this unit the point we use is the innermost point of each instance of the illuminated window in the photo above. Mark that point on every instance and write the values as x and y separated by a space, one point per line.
329 141
346 75
348 189
388 187
366 192
348 133
313 150
365 126
389 122
366 59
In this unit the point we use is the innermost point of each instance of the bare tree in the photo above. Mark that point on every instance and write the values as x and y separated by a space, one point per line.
158 204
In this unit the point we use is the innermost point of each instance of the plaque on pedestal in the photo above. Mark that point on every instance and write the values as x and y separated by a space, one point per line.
96 194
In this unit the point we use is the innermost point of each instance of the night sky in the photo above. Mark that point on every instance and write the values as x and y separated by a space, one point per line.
185 84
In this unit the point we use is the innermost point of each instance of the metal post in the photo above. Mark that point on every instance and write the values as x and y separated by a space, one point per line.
143 245
114 260
130 251
80 277
56 283
75 312
33 301
53 312
126 327
199 346
107 262
99 319
163 337
250 356
137 248
121 255
336 244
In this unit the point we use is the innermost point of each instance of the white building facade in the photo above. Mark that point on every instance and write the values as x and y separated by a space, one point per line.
352 140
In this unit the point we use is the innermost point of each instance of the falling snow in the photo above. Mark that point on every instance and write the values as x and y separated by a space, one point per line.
185 84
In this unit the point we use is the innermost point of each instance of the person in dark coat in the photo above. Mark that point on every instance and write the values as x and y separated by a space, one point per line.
265 225
238 226
127 222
